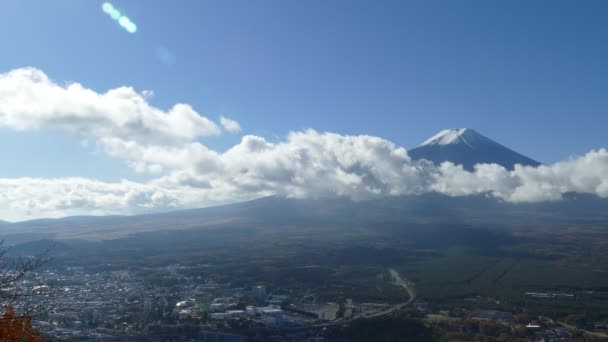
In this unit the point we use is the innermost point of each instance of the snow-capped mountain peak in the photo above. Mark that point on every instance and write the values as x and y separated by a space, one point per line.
466 147
453 136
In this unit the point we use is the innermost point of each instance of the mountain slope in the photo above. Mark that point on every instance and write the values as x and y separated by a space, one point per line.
293 214
466 147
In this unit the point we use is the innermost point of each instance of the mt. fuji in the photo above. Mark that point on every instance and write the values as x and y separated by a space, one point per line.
466 147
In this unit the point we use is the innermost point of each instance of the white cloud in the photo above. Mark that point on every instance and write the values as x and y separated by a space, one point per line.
310 163
29 100
230 125
22 198
307 164
188 174
585 174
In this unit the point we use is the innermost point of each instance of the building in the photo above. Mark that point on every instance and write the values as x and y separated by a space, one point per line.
259 292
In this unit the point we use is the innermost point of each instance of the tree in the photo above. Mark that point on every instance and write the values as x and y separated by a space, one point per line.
17 328
20 301
522 318
488 328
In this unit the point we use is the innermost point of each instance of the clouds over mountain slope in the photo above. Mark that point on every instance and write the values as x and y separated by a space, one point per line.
189 174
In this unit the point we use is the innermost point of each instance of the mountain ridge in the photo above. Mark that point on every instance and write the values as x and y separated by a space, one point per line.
277 211
467 147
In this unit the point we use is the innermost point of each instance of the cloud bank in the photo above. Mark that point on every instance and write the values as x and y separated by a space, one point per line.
306 164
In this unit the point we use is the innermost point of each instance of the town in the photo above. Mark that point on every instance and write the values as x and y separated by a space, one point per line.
117 304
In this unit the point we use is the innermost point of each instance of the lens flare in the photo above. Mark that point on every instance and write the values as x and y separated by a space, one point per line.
107 7
122 19
115 14
127 24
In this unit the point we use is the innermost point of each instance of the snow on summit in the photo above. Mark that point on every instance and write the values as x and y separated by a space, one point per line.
466 136
464 146
445 137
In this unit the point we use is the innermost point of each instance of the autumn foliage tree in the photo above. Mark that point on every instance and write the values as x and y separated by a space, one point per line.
19 302
15 328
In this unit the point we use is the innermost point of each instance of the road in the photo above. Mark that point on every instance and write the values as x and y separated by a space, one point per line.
397 280
571 327
409 287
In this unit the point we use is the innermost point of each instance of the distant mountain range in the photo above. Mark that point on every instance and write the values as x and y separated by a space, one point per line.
467 147
285 213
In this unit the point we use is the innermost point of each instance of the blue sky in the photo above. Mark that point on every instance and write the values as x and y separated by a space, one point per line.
531 75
